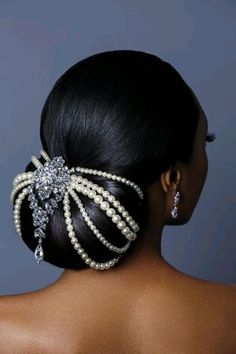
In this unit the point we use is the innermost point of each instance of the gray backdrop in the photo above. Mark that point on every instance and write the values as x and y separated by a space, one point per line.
40 40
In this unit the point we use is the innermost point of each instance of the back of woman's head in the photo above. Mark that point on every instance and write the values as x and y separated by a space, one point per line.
125 112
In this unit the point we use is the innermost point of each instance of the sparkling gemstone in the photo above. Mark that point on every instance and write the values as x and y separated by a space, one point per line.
33 204
58 197
53 203
30 189
38 253
39 232
39 216
52 177
49 208
177 197
174 212
31 197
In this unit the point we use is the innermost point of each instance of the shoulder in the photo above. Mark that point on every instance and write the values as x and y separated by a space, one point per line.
182 314
18 333
190 313
13 336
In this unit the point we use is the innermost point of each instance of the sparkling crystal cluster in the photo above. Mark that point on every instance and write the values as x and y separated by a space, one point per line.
52 182
48 185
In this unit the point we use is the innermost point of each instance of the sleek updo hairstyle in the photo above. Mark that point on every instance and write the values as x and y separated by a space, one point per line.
125 112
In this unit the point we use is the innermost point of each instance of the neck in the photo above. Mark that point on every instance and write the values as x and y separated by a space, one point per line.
145 257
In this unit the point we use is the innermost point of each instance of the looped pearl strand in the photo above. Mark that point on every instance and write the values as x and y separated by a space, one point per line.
75 242
93 191
109 176
90 223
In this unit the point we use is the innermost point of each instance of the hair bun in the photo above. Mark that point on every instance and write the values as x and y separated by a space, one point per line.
52 177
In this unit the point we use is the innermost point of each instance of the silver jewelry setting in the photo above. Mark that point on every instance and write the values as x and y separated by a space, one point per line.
53 182
174 211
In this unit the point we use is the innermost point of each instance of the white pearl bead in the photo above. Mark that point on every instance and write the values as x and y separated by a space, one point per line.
79 188
121 225
129 236
116 218
68 220
69 228
116 203
76 246
104 205
121 209
125 231
98 199
84 190
91 194
73 240
110 212
71 233
111 198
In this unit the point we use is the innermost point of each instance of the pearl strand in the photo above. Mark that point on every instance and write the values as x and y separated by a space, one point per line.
45 155
104 205
100 173
18 187
76 244
21 177
110 198
111 176
36 162
17 208
91 225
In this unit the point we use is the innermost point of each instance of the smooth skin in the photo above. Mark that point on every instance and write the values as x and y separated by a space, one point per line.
145 306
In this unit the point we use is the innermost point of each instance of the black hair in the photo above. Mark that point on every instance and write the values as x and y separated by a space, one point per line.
125 112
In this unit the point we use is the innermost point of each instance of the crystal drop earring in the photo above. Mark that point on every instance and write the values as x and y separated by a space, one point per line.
174 211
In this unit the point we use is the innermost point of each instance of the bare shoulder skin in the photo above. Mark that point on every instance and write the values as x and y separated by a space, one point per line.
145 306
167 312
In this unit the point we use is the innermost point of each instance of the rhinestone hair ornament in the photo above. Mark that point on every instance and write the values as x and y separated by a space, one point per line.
53 182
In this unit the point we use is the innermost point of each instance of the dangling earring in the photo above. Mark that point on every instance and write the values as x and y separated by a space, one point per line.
174 211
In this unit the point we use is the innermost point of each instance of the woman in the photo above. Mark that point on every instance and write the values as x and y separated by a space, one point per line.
130 114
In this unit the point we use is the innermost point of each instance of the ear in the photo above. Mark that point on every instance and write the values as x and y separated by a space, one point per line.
170 179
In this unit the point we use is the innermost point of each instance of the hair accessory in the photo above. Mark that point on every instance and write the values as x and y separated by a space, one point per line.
52 182
174 211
